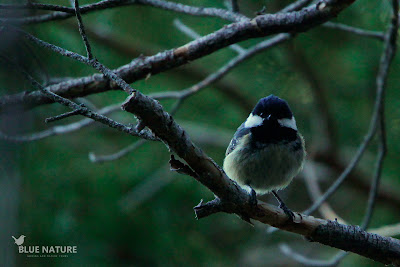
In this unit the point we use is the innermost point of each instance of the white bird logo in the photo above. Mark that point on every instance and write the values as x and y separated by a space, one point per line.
19 241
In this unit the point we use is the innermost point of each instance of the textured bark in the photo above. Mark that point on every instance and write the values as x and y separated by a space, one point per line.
353 238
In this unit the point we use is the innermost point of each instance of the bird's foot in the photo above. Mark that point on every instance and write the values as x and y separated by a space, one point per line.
253 197
283 206
287 211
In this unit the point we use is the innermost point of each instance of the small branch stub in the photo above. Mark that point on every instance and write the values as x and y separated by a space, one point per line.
181 168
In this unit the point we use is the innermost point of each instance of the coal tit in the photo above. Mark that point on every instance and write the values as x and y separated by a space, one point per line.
267 150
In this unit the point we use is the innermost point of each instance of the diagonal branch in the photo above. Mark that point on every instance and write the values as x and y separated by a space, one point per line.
82 30
141 67
224 69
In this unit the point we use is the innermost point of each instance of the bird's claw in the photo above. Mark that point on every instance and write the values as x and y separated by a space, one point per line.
253 198
287 211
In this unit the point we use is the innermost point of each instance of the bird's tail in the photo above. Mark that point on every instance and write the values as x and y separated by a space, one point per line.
14 238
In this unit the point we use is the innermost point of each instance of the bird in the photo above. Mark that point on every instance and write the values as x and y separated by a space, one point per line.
19 241
266 151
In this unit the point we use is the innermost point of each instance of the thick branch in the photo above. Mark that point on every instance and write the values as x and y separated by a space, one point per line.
141 67
151 113
355 239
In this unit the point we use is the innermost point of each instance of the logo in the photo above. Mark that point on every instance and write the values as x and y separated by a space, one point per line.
43 251
19 241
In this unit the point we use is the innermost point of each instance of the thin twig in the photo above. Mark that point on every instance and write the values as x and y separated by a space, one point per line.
58 130
295 6
63 116
38 6
224 69
310 262
201 133
82 30
377 176
365 33
107 4
110 157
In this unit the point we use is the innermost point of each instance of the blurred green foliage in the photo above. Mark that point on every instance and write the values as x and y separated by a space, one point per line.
67 200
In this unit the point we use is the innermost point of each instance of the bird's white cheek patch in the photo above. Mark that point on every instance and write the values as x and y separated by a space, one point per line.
289 123
253 121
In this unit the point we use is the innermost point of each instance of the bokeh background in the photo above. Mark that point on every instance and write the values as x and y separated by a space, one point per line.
134 211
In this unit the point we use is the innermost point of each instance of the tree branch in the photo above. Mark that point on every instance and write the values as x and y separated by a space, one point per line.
311 262
139 68
68 12
339 26
58 130
102 158
82 30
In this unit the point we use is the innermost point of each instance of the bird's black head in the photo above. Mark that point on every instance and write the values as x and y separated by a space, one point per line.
274 106
272 121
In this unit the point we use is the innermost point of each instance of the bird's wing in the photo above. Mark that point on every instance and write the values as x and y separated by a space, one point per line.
240 133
